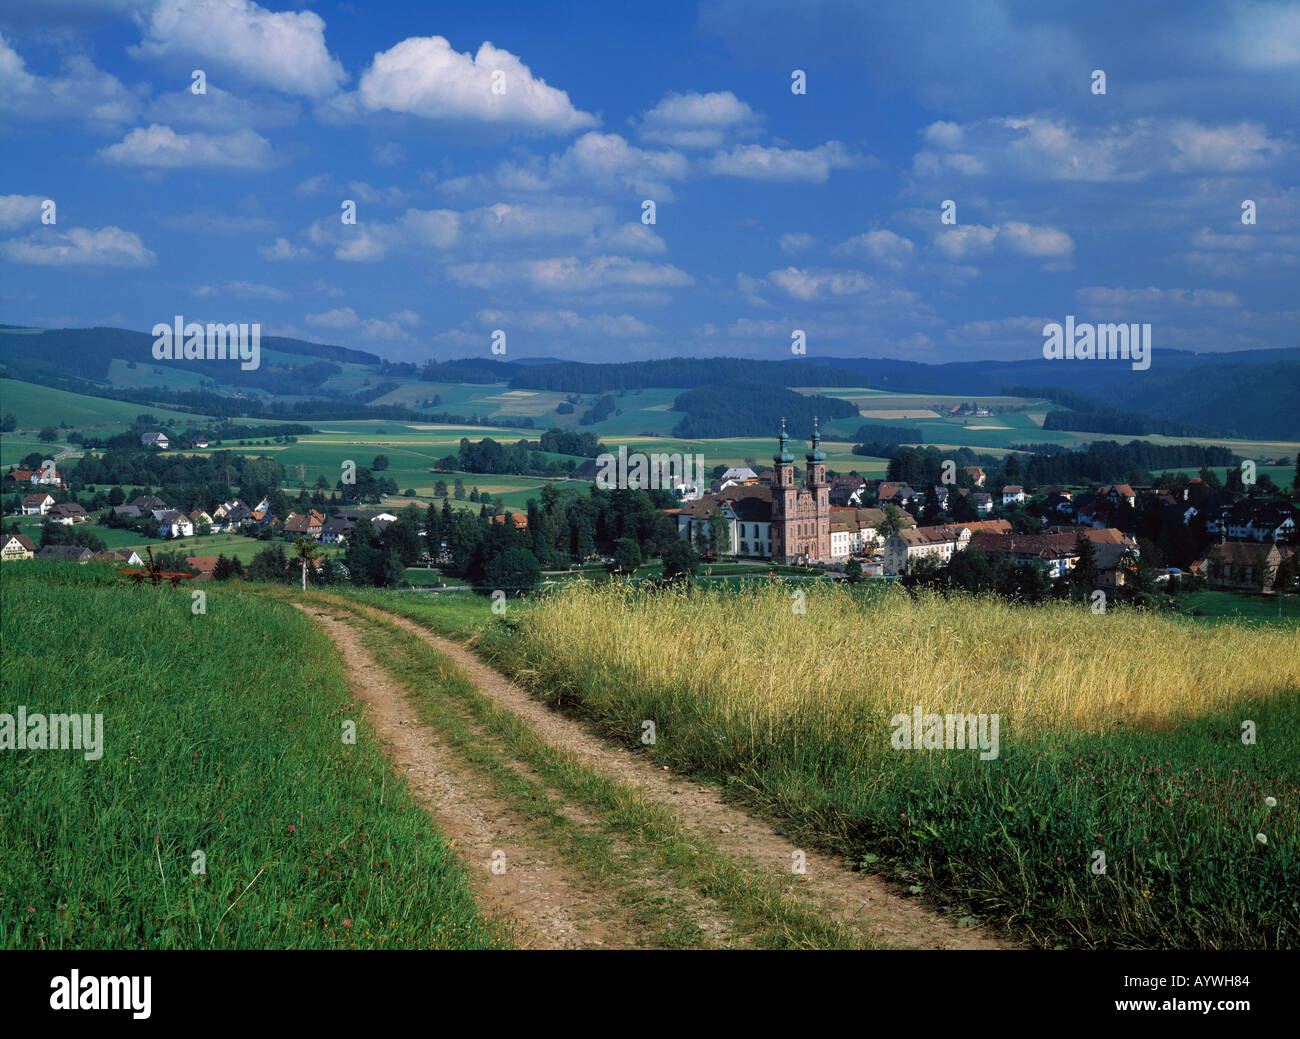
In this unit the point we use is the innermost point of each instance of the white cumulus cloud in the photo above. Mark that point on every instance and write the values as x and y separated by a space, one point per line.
80 247
281 49
161 147
426 77
693 120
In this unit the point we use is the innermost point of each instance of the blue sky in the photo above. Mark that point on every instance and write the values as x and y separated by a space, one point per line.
775 211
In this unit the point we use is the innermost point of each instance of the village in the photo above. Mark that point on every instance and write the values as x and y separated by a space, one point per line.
1248 545
844 524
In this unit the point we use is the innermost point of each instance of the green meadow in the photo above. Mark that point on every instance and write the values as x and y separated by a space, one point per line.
35 406
225 812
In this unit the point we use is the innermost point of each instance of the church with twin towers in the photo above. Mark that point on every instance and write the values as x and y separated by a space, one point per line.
801 516
777 519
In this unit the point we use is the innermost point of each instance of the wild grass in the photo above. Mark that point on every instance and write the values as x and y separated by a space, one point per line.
1120 734
222 735
746 657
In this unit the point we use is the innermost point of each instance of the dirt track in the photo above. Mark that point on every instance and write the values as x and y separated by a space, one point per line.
552 904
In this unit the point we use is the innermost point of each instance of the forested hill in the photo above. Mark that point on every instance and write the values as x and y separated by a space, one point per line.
754 411
1251 393
87 352
682 372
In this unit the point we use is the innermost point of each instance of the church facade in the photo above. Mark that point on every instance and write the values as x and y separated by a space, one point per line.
801 516
782 522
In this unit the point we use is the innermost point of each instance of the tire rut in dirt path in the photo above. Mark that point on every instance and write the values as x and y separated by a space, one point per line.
860 900
548 902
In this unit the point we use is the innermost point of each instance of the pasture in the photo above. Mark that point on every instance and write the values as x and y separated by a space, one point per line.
216 816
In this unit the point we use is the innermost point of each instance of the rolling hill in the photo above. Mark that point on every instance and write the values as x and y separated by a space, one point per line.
1248 394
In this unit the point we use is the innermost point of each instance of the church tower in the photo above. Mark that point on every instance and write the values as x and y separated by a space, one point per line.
784 500
820 491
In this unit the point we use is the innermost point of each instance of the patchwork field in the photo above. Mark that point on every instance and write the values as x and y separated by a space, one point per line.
644 421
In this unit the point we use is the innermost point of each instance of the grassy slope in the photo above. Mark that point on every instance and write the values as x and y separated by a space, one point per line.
215 739
36 406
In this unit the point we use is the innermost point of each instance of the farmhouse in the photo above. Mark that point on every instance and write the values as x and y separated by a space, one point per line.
158 440
1012 493
306 525
1245 566
1056 552
1119 494
899 494
65 553
336 530
68 513
737 476
16 546
203 566
518 519
854 531
173 524
236 518
938 542
119 555
48 477
847 490
37 504
1248 520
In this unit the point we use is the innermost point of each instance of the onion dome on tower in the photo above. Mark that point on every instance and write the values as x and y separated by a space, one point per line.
816 454
783 456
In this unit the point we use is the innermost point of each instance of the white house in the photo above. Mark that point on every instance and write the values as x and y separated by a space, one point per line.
177 524
68 513
737 476
158 440
938 543
37 504
854 531
1012 493
747 511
